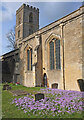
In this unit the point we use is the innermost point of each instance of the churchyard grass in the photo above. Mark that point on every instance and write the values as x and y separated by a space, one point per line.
10 111
56 104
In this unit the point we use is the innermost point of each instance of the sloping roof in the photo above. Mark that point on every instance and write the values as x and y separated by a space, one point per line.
11 53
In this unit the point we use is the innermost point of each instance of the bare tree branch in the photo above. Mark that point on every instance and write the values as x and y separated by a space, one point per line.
11 39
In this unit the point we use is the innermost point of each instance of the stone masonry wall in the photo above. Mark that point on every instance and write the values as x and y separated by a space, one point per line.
27 75
38 68
73 53
69 30
53 76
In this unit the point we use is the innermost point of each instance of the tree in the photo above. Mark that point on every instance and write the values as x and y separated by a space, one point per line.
11 39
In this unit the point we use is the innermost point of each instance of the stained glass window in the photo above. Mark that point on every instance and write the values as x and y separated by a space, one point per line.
54 46
51 55
29 59
57 52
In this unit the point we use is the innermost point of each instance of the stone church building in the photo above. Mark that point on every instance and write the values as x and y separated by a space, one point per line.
51 56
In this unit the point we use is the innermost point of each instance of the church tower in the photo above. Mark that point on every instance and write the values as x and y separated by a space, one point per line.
27 22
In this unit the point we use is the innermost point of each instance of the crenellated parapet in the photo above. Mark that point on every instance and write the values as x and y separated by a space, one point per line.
27 7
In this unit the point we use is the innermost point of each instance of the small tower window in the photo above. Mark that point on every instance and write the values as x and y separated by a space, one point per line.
19 20
30 17
18 33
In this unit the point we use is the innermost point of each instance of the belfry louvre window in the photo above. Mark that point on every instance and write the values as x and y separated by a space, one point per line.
30 18
29 59
54 49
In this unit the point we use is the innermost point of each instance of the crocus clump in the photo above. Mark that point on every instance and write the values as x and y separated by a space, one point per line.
56 102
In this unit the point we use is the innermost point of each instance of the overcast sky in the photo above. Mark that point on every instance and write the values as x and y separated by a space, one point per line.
49 12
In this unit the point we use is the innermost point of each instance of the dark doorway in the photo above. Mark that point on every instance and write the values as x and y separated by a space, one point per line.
81 84
15 78
55 85
45 80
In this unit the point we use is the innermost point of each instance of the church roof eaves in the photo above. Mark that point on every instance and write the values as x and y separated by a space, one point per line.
10 53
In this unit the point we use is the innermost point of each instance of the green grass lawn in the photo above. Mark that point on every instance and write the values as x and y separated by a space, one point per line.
11 111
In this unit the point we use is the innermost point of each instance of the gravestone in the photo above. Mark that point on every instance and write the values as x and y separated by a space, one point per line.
5 86
55 85
39 96
81 84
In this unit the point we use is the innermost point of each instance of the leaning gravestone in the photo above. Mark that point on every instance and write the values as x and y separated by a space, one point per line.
81 84
6 87
55 85
39 96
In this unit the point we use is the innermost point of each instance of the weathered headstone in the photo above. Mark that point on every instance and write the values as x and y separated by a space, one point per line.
39 96
5 86
81 84
55 85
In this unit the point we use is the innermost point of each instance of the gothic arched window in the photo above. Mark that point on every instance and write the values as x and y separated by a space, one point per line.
54 48
30 17
51 55
29 59
57 52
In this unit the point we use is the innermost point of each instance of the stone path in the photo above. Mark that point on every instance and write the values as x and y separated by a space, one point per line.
19 92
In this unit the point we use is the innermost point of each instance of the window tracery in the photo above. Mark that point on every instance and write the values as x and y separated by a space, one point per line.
54 54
